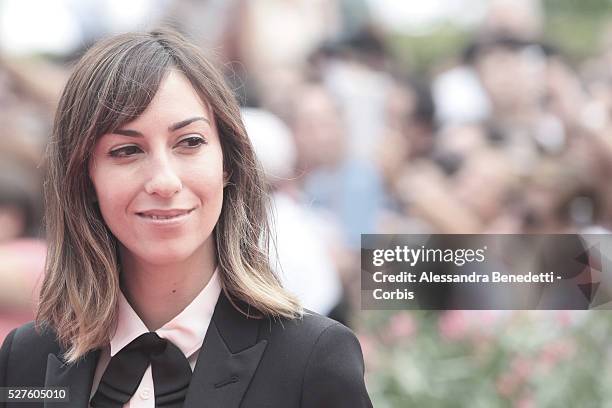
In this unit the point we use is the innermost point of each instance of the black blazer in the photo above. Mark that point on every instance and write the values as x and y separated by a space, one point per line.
312 362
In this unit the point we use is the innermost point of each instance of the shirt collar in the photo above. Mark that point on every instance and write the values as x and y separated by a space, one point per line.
186 330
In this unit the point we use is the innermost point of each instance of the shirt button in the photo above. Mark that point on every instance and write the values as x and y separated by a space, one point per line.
145 393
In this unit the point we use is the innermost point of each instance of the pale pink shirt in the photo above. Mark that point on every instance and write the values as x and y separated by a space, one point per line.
186 331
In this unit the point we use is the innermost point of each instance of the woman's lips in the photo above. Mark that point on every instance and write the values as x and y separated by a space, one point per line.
165 216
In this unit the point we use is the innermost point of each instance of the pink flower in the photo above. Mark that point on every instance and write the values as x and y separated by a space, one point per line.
564 318
401 326
453 325
506 384
556 351
522 367
488 318
509 382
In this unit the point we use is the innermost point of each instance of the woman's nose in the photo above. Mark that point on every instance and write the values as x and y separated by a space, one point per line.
164 180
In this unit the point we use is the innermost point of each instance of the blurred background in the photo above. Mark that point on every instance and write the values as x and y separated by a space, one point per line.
373 116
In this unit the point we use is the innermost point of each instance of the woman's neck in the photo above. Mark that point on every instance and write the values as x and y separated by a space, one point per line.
158 293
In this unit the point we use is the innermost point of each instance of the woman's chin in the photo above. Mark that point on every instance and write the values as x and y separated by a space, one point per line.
165 255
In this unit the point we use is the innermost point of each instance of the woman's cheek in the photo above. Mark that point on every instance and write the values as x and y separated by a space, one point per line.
205 177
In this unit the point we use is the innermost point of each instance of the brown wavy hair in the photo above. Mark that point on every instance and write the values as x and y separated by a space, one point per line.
111 85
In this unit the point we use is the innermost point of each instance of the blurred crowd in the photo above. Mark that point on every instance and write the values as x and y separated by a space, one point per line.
507 135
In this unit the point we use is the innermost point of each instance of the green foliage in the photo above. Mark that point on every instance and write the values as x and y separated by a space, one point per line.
576 26
573 26
421 54
484 359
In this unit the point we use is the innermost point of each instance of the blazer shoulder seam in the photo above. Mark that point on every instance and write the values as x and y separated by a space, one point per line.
314 346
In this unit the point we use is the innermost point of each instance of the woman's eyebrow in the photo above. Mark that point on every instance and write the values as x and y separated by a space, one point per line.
171 128
127 132
186 122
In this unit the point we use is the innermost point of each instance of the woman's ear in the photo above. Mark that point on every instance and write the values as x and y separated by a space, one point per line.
226 178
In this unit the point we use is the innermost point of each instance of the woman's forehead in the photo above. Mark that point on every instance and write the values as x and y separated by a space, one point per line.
176 91
174 100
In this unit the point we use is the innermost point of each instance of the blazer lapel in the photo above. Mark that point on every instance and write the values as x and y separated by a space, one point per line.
228 359
76 377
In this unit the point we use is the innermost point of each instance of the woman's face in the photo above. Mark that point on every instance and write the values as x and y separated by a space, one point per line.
159 179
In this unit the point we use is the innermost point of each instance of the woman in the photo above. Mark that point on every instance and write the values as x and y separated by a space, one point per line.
158 290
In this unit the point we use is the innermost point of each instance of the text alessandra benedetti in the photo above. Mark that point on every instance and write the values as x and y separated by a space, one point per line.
493 277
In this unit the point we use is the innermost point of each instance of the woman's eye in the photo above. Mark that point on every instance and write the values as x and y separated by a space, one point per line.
192 142
125 151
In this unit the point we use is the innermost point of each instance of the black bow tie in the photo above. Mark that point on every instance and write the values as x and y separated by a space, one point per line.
171 373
